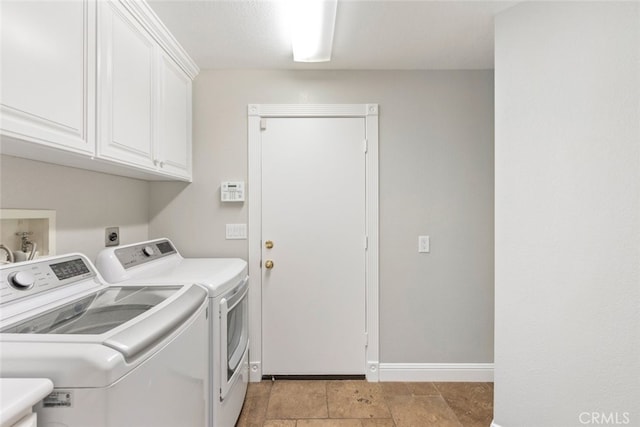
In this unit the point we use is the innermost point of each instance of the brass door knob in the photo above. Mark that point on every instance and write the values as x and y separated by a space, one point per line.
268 264
268 244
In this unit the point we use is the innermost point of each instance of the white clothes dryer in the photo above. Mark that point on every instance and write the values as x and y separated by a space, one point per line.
125 355
226 281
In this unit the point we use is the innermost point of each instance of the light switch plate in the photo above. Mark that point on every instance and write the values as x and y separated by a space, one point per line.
236 232
424 244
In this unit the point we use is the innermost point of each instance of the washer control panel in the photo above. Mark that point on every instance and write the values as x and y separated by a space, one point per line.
131 256
33 277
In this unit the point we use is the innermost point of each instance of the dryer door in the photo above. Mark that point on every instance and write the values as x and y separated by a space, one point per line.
234 334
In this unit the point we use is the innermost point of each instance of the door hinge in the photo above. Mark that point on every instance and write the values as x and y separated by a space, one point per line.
366 339
366 145
366 242
263 124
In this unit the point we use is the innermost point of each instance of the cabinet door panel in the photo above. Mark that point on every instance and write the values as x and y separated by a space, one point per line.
47 72
174 136
126 89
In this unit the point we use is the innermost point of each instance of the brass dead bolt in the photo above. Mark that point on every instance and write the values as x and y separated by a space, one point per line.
268 264
268 244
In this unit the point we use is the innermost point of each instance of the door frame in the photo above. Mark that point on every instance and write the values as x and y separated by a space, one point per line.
257 112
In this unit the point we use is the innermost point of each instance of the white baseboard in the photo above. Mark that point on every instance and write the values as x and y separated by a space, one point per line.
493 424
255 372
442 372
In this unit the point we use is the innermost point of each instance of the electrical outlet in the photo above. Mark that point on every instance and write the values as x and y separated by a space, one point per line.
112 236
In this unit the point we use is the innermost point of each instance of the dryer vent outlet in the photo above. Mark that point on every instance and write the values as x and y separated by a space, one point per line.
112 236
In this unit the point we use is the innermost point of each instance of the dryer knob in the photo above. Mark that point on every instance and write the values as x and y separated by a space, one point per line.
148 251
22 280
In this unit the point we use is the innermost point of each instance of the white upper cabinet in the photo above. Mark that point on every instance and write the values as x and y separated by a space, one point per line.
174 125
144 97
48 73
95 84
126 95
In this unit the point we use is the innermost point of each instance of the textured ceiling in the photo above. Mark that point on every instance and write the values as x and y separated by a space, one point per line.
371 34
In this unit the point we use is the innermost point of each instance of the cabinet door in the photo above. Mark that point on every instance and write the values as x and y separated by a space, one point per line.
174 125
126 87
48 69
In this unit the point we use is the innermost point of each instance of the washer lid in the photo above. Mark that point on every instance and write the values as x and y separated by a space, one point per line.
95 313
155 327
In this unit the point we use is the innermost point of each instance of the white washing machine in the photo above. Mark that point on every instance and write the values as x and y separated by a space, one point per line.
226 280
117 355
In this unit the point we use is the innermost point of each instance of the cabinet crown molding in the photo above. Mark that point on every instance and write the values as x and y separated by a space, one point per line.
152 23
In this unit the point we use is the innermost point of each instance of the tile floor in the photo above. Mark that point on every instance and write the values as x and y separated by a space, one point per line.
353 403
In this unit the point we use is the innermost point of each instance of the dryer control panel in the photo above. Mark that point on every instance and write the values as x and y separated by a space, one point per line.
34 277
131 256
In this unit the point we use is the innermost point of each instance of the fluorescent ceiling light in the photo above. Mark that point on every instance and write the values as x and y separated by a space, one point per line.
312 23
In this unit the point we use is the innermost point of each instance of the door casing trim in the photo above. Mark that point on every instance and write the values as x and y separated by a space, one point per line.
369 112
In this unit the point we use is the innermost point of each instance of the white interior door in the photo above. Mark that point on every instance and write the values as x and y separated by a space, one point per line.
313 210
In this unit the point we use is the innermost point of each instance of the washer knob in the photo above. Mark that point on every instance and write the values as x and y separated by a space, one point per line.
22 280
148 251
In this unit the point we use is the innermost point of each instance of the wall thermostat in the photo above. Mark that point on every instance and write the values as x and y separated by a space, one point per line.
232 191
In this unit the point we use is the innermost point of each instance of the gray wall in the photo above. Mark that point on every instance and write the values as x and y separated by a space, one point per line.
436 178
85 202
568 214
